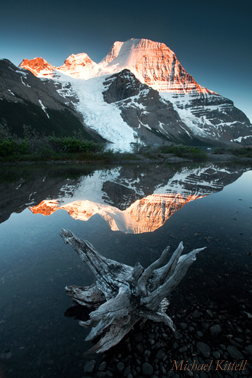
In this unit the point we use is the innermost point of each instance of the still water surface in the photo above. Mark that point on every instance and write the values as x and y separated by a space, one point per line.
129 214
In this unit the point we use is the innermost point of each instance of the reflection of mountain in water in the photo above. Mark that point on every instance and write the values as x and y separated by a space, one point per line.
137 200
117 190
144 215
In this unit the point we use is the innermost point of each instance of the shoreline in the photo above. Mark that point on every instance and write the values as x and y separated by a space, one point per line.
165 159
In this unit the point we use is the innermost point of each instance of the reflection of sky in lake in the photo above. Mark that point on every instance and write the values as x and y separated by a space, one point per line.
36 266
243 186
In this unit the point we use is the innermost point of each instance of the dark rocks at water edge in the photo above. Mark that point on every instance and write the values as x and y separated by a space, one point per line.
89 367
208 343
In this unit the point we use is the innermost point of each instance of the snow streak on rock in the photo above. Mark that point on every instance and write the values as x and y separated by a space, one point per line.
43 108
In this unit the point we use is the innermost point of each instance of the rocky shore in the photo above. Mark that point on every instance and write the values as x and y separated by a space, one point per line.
210 342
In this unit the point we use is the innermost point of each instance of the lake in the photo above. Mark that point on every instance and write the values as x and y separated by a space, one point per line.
130 214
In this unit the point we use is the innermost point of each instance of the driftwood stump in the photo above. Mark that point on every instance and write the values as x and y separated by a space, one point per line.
121 294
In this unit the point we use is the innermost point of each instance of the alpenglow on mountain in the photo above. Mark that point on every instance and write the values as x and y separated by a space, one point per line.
139 88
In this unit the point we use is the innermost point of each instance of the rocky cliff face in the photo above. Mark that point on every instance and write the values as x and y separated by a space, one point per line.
112 54
195 118
212 117
152 63
18 85
143 108
26 99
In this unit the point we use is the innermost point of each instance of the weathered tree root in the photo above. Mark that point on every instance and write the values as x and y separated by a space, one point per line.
122 295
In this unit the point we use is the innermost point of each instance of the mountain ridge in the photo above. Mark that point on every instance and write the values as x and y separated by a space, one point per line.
153 63
160 100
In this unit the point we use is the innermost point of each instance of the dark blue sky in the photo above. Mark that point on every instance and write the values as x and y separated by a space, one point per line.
212 39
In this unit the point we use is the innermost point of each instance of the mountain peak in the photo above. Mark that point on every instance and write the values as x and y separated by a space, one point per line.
37 66
81 59
113 52
78 65
133 44
153 63
125 48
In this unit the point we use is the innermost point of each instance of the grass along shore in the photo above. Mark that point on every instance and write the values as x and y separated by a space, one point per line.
34 147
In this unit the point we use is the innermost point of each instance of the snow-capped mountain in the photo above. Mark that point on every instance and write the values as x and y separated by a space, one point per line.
141 88
152 63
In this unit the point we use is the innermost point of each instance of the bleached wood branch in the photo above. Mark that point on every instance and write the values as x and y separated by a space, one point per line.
121 294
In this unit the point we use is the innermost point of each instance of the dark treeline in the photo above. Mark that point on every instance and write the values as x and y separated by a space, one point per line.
34 143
